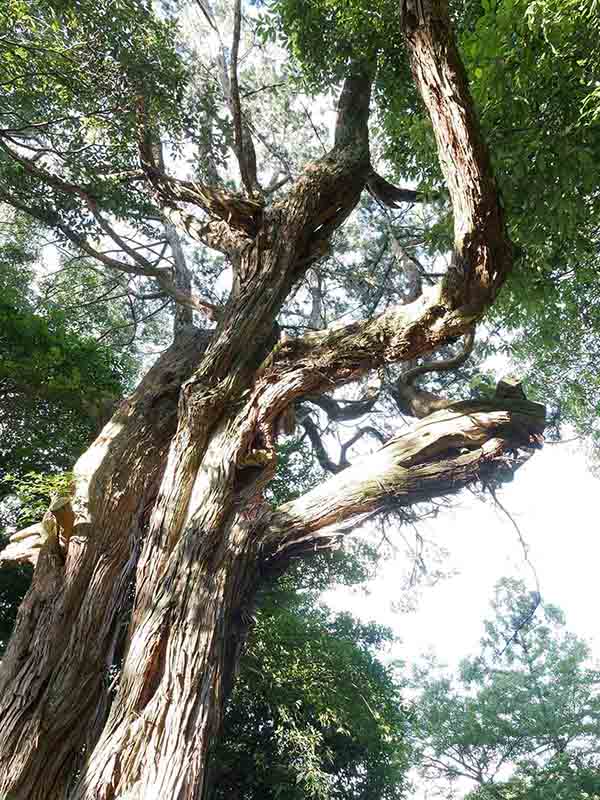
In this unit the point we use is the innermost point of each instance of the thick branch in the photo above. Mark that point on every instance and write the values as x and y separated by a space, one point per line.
389 195
483 253
438 456
327 191
326 359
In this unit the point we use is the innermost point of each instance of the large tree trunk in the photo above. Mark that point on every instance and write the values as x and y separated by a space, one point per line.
211 538
55 675
191 618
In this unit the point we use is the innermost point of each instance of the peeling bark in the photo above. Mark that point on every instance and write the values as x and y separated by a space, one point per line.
439 455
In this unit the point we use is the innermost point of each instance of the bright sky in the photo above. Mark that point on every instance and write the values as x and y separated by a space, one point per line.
553 499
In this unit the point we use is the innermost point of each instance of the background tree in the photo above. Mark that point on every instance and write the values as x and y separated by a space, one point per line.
520 720
58 384
313 713
56 379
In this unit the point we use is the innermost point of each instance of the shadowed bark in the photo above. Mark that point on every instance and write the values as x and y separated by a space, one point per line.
55 673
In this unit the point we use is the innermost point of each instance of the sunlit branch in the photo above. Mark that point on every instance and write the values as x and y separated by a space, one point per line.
437 456
482 250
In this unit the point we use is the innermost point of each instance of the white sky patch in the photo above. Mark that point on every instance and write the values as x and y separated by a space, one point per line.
552 499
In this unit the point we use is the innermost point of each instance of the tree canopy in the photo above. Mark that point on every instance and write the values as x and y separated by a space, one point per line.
521 719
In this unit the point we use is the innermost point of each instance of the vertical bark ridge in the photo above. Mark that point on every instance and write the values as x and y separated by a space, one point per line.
483 253
209 586
63 645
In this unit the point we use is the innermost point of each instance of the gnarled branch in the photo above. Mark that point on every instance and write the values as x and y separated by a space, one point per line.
418 402
438 455
238 212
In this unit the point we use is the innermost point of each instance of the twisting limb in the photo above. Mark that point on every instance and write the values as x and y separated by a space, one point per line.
345 410
326 192
443 365
417 402
439 455
318 447
483 254
320 450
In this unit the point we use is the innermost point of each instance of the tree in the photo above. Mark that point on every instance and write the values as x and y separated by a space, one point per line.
292 725
313 713
520 720
171 537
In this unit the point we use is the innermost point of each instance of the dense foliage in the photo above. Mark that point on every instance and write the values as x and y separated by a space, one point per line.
57 381
313 712
71 74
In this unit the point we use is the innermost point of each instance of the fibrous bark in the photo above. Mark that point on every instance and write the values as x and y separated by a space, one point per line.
56 671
